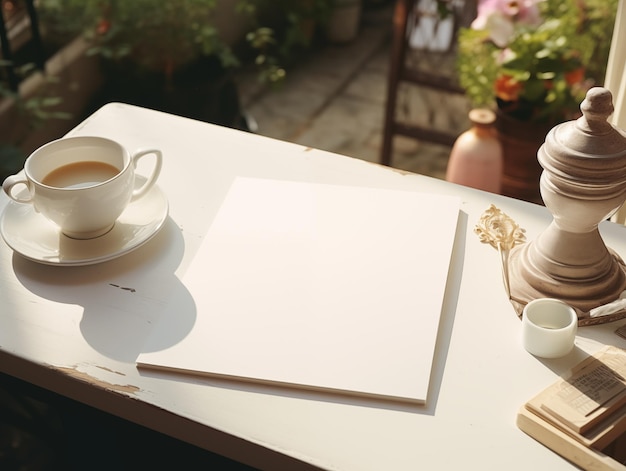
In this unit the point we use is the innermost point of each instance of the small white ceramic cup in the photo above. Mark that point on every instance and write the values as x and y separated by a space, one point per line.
89 210
549 328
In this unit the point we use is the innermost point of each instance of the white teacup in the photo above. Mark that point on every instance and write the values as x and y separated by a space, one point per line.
549 327
82 184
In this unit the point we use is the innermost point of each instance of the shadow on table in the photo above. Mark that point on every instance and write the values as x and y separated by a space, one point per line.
40 430
122 299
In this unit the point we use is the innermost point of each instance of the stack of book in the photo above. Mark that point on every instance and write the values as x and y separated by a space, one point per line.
583 415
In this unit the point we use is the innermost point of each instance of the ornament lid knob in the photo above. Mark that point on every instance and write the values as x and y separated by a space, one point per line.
596 109
589 151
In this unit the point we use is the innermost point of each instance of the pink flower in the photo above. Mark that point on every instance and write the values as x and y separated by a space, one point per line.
519 11
505 55
500 17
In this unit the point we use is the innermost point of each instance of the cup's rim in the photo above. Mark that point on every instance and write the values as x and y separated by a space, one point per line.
76 139
573 320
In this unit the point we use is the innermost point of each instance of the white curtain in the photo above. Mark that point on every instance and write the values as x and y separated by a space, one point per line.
615 80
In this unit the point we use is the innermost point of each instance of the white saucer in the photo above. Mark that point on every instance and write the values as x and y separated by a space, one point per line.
34 237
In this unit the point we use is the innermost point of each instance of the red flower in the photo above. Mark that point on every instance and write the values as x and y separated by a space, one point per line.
575 76
507 88
103 27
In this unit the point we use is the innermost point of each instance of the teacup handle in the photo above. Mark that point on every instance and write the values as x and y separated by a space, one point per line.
10 182
139 192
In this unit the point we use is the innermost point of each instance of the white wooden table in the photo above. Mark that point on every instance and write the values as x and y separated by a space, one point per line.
76 332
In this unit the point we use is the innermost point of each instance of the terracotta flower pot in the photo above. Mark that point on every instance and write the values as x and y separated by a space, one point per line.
520 142
343 23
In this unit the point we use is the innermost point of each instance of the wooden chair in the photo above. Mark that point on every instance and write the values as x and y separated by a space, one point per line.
408 15
10 24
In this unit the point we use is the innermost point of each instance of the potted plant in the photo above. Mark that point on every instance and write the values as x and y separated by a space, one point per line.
177 56
343 21
281 30
21 116
533 61
166 55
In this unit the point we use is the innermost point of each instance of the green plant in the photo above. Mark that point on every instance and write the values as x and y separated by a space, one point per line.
40 107
159 35
165 34
535 59
37 110
290 32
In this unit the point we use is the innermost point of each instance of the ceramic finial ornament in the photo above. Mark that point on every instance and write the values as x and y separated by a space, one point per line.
583 183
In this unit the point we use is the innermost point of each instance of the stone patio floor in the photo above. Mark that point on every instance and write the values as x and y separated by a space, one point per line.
335 100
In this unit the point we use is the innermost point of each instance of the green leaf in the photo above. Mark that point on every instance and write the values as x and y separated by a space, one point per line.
534 90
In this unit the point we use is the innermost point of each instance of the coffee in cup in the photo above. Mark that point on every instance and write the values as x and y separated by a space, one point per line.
80 174
82 184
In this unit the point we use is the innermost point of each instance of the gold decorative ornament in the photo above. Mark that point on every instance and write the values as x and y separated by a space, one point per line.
501 232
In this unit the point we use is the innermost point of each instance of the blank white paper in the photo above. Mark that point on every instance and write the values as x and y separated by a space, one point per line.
317 286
